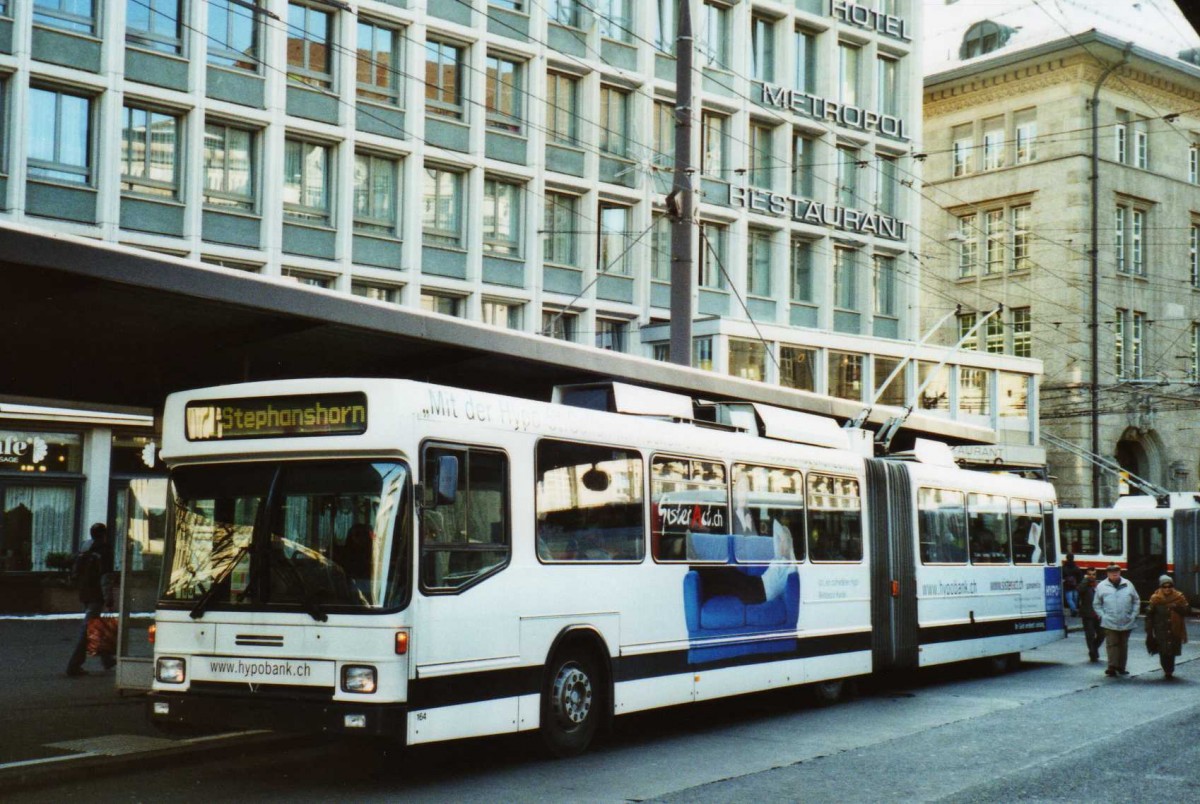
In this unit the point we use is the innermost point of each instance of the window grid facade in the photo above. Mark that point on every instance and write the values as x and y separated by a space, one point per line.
149 152
376 183
1022 334
444 79
310 40
504 94
154 25
758 266
378 63
501 218
1194 254
266 164
562 102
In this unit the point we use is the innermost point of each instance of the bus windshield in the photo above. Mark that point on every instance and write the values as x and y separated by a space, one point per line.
313 535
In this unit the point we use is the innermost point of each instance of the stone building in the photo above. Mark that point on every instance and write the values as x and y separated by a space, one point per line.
1012 217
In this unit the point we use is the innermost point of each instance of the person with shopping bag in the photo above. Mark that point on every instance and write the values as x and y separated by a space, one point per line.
97 633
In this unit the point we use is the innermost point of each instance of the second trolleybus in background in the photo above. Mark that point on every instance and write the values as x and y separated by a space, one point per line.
390 557
1144 535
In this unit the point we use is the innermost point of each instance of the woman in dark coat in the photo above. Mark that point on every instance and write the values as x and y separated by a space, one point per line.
1165 624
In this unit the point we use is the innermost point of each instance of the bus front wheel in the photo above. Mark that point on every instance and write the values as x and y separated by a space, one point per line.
571 704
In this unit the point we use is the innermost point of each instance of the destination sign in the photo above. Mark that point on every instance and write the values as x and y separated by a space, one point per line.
276 417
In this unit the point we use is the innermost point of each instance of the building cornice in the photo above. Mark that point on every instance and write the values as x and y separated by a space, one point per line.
1161 83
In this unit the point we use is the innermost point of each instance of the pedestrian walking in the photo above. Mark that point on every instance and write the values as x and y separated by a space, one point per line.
1071 577
1117 604
1166 628
1092 632
88 572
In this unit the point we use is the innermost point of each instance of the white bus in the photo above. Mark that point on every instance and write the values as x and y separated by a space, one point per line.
1146 536
394 558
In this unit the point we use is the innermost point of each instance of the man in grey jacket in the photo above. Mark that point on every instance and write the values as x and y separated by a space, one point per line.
1117 604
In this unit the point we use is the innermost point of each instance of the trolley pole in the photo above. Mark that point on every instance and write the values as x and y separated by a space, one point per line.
681 201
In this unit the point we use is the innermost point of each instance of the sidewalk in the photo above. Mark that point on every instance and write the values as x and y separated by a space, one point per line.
53 722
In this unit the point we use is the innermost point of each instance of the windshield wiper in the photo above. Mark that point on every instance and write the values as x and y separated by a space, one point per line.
202 604
313 607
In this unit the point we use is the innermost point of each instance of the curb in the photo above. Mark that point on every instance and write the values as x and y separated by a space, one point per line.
35 772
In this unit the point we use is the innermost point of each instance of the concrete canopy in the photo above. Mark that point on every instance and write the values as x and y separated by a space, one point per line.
89 323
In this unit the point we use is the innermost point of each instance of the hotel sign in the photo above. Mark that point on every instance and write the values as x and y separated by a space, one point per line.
870 19
805 210
843 114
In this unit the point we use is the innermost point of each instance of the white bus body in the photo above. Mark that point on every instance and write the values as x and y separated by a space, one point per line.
391 557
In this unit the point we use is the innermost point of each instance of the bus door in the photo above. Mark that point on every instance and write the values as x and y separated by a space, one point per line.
1146 541
1185 540
893 566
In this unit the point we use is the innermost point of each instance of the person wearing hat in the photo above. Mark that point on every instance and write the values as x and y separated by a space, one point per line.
1117 603
1166 628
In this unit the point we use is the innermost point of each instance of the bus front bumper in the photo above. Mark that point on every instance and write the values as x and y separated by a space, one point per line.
276 713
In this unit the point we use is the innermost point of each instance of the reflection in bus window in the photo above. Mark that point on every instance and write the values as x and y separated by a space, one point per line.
834 518
1078 536
768 504
332 537
1028 532
942 526
589 503
1111 541
689 502
469 537
988 535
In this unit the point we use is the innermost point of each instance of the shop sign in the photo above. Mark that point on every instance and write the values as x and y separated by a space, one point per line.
842 114
805 210
21 450
872 20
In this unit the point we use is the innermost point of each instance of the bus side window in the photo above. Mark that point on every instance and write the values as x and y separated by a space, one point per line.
589 503
834 518
988 538
942 526
1079 536
468 538
767 514
689 510
1026 522
1111 541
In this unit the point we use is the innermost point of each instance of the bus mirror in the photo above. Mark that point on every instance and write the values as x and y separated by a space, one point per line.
446 483
595 479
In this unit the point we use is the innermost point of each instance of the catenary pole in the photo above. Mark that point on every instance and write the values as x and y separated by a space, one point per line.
681 201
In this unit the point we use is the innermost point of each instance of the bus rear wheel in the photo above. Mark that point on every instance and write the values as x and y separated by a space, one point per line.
571 704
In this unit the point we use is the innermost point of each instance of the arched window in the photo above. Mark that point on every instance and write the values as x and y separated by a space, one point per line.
983 37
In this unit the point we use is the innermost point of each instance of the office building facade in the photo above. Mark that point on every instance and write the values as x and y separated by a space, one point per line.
504 161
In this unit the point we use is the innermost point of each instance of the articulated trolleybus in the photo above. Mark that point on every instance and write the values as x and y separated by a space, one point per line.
393 558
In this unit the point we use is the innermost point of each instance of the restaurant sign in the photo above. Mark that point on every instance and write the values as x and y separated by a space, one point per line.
805 210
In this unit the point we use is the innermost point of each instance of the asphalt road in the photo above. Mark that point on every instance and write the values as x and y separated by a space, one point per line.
1056 729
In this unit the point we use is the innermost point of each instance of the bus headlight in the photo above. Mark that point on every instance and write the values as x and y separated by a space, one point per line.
359 678
170 671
